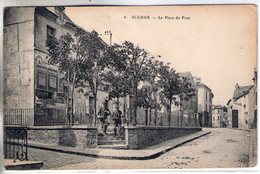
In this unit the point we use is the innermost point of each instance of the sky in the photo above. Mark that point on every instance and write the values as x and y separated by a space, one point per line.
216 43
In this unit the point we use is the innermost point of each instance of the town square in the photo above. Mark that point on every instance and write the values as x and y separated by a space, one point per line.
145 87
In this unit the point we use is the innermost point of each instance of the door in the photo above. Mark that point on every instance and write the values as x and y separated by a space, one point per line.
234 118
200 119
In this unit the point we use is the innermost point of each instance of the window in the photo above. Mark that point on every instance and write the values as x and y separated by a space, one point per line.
52 83
50 31
41 80
65 89
60 88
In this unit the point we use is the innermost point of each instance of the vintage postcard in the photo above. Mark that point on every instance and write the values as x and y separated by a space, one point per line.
130 87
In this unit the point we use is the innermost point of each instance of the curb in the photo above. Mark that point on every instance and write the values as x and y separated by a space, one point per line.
247 130
151 156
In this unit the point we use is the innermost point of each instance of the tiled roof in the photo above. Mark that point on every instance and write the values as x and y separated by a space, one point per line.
68 19
241 91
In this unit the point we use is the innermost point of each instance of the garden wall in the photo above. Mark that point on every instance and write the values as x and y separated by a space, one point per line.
141 137
64 136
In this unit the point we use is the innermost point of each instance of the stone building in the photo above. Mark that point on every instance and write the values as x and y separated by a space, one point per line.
188 108
205 97
242 108
218 116
33 88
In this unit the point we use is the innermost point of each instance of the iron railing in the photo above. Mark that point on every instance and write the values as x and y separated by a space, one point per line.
21 117
58 116
15 143
50 116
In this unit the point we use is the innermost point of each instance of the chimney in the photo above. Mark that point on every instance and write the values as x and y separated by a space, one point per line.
236 86
59 10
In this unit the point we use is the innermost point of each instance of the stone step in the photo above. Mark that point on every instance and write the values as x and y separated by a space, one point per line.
107 138
114 146
110 142
9 164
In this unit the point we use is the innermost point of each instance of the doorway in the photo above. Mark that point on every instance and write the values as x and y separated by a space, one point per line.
234 118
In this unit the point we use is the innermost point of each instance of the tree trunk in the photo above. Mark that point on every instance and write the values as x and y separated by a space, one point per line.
68 101
72 99
130 112
95 107
169 113
117 101
155 110
135 106
181 113
150 117
146 116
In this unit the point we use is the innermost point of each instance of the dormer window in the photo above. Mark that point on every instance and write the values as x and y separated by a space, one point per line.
50 31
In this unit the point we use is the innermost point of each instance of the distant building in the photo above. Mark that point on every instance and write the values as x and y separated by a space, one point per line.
242 108
205 97
189 108
218 116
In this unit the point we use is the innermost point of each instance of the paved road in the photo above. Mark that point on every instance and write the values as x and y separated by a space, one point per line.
223 148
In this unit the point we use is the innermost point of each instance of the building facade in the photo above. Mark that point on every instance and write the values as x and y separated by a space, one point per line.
205 97
218 116
188 108
33 86
242 108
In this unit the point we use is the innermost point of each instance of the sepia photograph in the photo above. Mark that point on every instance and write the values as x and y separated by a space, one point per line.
130 87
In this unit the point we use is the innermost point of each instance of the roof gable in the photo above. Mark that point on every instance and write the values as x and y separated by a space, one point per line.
241 91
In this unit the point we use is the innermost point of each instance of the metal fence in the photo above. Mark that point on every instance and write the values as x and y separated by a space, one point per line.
21 117
82 116
50 116
58 116
15 143
46 116
178 119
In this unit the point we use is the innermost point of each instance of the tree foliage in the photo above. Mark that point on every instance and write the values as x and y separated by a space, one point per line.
133 62
115 83
87 62
79 57
172 85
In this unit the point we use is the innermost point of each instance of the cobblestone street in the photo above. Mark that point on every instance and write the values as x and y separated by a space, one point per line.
223 148
55 160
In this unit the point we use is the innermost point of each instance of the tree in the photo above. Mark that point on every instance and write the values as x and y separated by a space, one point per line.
173 85
152 79
186 92
94 49
80 58
168 82
63 55
146 100
115 83
133 61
